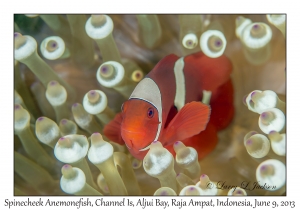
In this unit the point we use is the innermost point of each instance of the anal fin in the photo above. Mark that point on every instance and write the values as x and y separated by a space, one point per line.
204 142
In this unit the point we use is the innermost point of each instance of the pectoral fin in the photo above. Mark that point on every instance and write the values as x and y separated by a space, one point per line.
113 130
189 121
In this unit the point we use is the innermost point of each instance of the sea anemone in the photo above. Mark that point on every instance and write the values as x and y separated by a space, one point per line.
91 66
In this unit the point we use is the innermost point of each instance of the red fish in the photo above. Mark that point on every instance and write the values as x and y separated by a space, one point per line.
166 105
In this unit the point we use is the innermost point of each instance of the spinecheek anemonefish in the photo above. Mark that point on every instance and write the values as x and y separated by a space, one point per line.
166 105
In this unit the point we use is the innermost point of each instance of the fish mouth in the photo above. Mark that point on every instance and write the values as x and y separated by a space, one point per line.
129 136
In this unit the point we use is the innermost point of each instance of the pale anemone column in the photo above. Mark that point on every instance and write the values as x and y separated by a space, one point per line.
68 127
258 101
187 158
278 143
57 97
99 28
271 120
102 184
206 186
159 163
248 135
83 52
183 180
26 52
164 191
47 131
35 175
190 190
18 191
30 143
111 74
85 120
38 90
54 48
278 21
190 32
135 163
101 155
128 175
241 152
240 25
19 100
272 173
16 28
95 102
59 25
149 30
73 182
22 89
56 23
213 41
118 147
256 39
72 149
257 146
237 192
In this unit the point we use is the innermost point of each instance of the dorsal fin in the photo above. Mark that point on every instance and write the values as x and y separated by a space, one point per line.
172 113
213 72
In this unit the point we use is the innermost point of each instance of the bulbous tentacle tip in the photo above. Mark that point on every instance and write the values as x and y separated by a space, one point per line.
63 121
64 142
17 35
40 119
249 142
267 117
51 45
19 40
137 75
267 170
244 100
52 83
98 20
237 192
178 145
93 96
67 170
107 71
17 106
190 41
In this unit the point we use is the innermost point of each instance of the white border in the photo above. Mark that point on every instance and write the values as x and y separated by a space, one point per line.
213 6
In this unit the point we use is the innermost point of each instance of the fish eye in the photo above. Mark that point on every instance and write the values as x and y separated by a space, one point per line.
150 112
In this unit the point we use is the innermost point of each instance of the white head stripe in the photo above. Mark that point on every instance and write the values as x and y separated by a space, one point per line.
179 100
148 90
